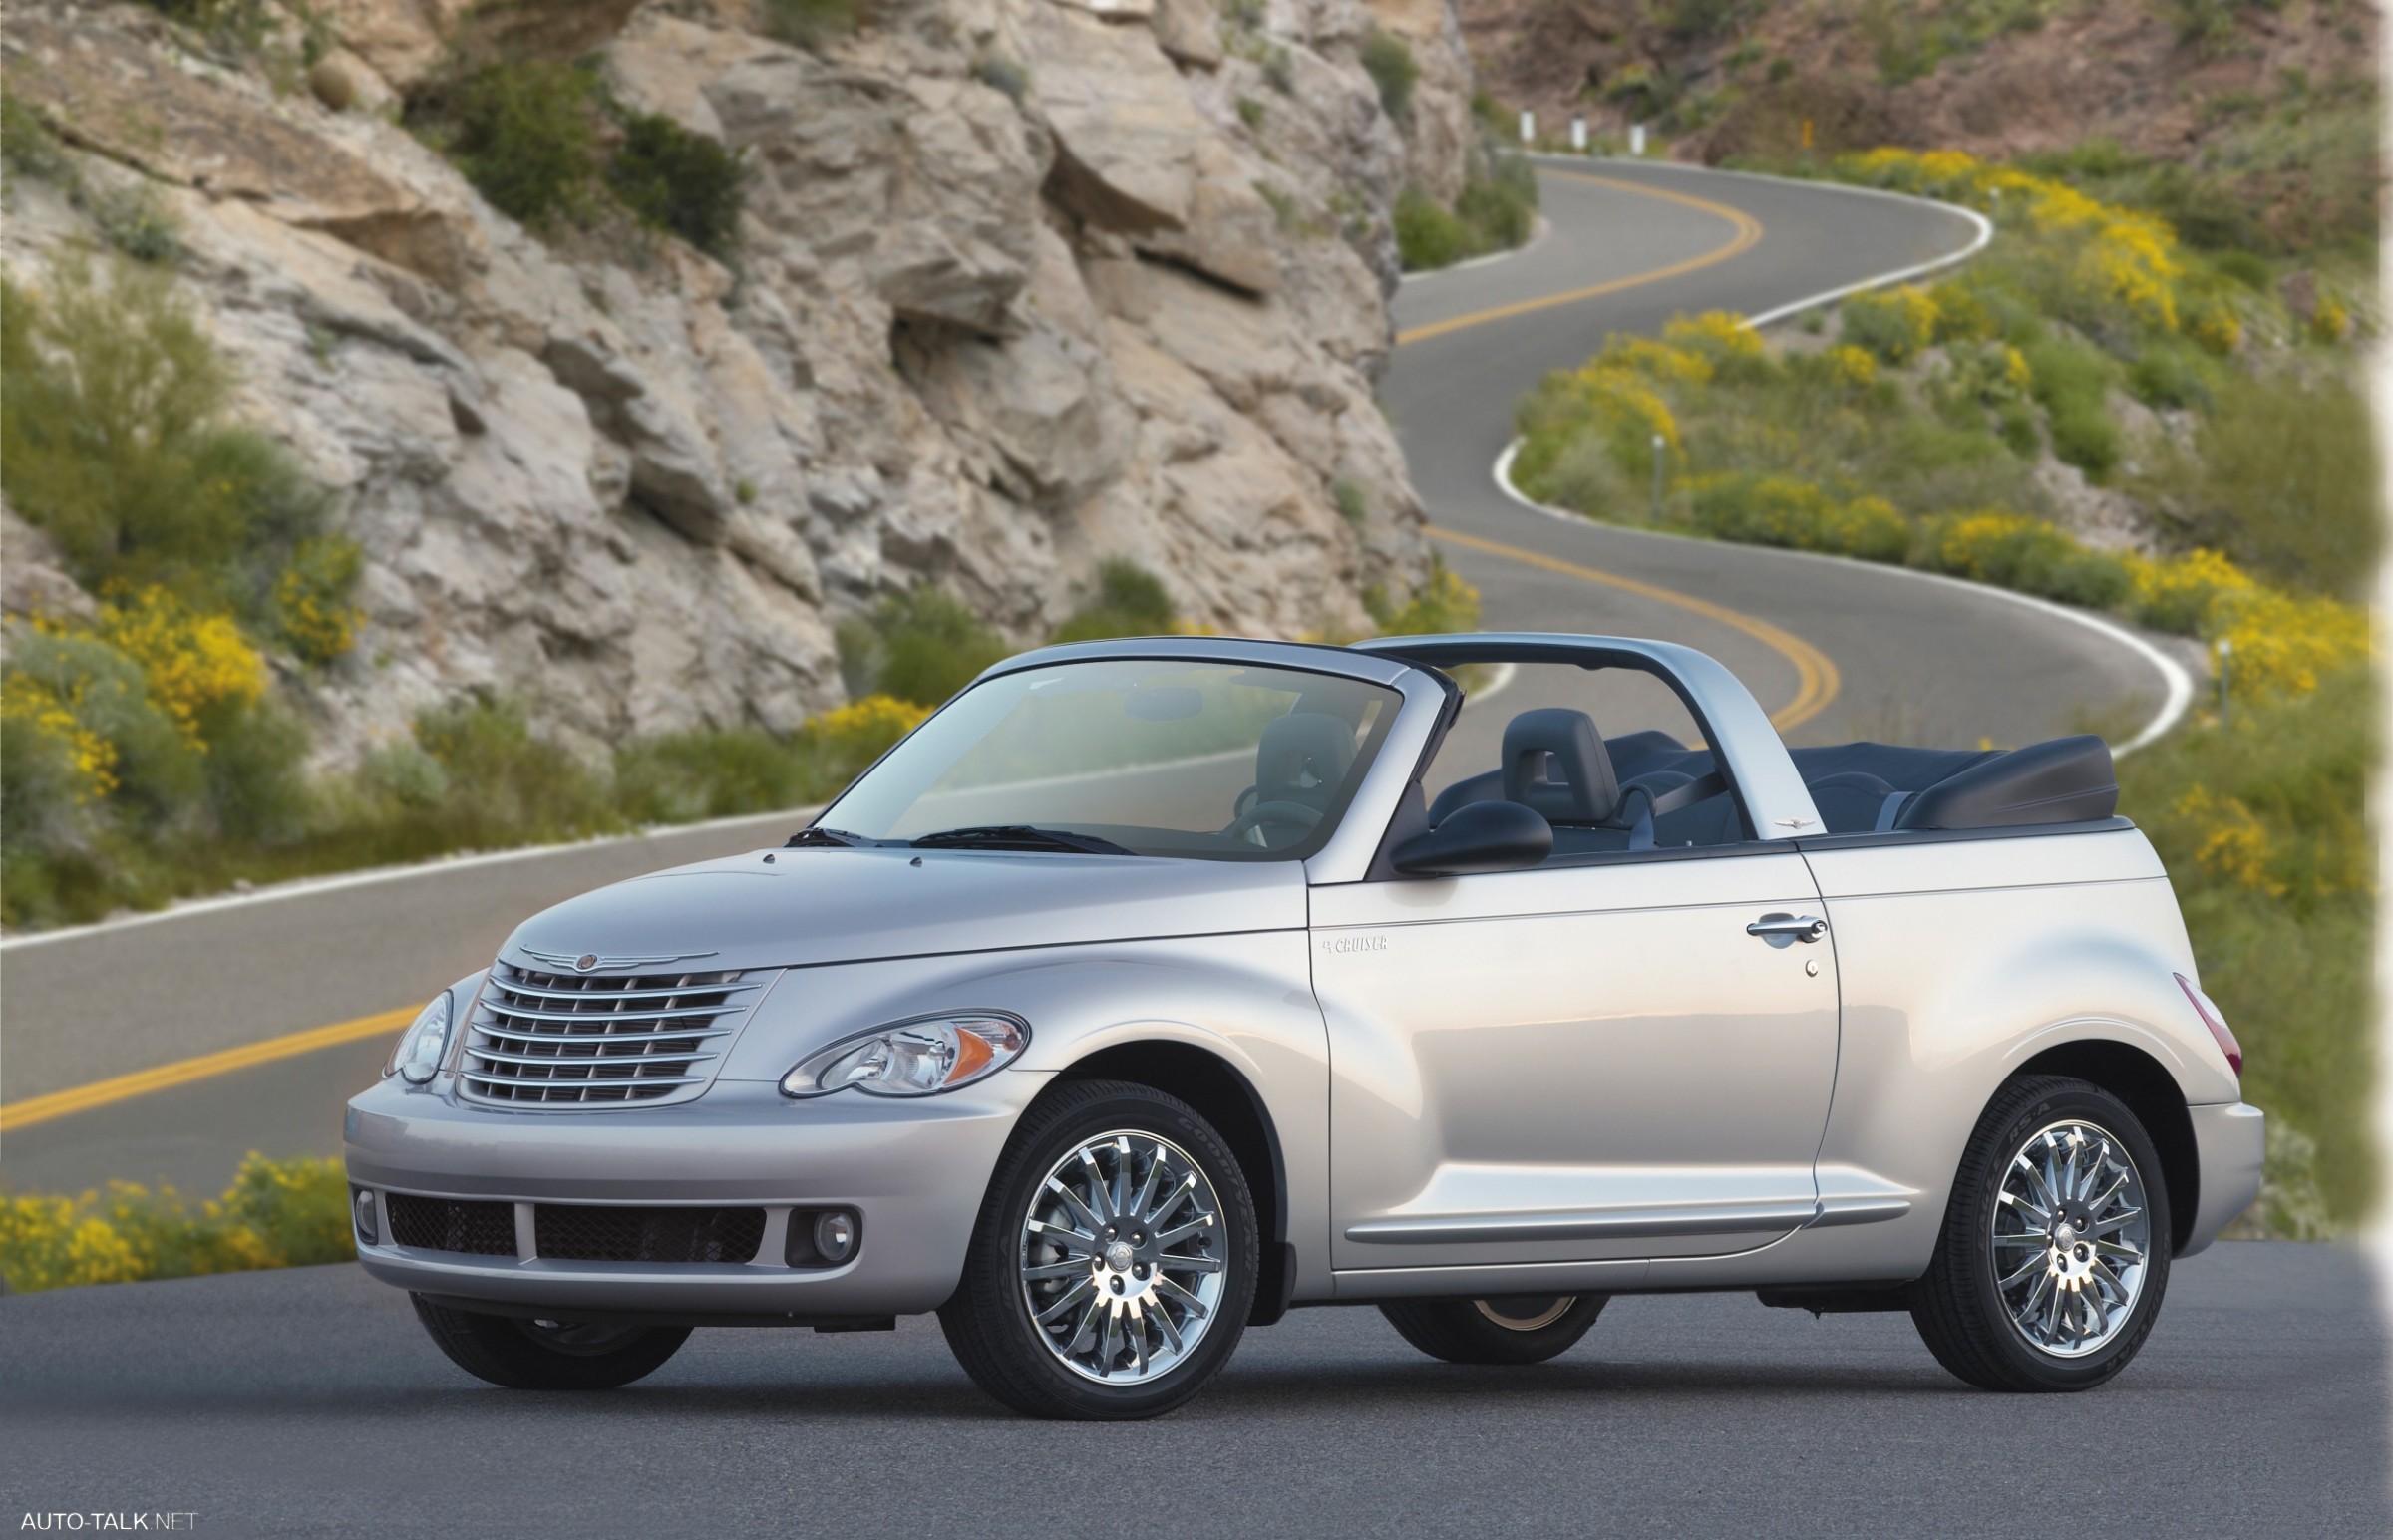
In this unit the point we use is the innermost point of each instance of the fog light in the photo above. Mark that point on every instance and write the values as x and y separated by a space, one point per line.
364 1208
834 1236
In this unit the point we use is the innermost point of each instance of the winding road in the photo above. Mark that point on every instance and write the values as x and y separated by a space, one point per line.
290 999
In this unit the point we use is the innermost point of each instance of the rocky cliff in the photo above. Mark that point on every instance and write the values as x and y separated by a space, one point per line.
1021 286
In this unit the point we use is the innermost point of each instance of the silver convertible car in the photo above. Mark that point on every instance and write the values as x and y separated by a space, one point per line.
1152 988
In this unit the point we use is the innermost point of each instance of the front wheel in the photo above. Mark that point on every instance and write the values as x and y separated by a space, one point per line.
1503 1329
551 1355
1112 1264
2054 1255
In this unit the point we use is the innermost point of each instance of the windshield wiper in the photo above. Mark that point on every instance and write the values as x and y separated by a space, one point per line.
1019 836
818 836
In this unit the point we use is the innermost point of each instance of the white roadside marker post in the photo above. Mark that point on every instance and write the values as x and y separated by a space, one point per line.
1528 126
1579 132
2226 674
1636 139
1658 480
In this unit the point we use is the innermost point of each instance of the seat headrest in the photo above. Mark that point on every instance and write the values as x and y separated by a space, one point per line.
1554 762
1304 758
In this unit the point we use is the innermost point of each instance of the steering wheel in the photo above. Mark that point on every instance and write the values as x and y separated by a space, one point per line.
1304 818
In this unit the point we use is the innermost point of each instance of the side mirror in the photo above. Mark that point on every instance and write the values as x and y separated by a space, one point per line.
1479 837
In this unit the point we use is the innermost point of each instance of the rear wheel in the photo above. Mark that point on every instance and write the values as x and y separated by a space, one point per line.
1113 1264
1501 1329
2049 1272
548 1354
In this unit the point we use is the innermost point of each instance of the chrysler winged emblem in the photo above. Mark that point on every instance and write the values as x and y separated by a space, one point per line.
587 961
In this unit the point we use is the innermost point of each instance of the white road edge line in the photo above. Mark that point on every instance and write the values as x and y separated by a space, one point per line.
2177 684
310 887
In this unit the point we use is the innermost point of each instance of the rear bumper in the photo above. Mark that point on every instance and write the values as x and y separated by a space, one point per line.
914 1171
2230 1138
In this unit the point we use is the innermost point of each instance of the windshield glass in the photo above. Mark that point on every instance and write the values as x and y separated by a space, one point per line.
1219 761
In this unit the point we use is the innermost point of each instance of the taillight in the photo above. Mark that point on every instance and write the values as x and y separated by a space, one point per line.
2207 1009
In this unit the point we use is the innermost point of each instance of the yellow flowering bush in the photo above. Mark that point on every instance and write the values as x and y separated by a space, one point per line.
276 1213
197 664
1851 368
2228 841
2013 550
1786 511
311 599
1715 331
2125 258
30 704
2285 643
2213 324
858 732
2331 321
1896 323
2177 593
1443 603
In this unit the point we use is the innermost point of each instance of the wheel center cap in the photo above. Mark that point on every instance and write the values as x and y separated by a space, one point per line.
1118 1256
2065 1237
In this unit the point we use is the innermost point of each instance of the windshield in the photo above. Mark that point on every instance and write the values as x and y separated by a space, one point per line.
1152 757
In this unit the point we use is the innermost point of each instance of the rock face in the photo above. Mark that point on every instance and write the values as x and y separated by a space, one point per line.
1023 286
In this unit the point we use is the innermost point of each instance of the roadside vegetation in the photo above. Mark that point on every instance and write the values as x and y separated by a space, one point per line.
1496 211
276 1213
2089 359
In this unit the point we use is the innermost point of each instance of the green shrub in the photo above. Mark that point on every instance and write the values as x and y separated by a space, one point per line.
813 23
1352 505
1428 235
2168 375
525 132
2282 479
1130 601
680 181
2073 383
1496 211
999 73
1388 60
921 646
711 772
1896 325
112 439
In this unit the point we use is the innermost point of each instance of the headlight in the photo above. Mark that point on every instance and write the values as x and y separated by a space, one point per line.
914 1058
424 1043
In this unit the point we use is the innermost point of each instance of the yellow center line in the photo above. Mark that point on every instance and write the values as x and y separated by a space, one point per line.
1746 231
1816 678
81 1099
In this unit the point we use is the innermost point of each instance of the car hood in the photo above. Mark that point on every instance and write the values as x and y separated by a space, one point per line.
796 908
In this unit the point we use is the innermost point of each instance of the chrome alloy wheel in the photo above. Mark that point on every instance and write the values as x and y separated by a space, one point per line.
1123 1258
2072 1233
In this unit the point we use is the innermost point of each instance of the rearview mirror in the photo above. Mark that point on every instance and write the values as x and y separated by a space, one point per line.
1479 837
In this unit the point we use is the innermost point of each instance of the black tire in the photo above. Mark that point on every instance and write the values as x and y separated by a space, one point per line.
1958 1305
988 1321
1504 1329
547 1356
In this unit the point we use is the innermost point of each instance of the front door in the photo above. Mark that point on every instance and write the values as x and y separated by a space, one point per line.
1574 1062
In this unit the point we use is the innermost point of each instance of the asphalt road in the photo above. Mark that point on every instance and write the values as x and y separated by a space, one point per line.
311 1403
1839 651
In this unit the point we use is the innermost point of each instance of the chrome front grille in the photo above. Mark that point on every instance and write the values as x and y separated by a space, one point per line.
550 1039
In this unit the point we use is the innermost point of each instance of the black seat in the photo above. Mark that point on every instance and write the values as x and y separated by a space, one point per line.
1302 759
1554 763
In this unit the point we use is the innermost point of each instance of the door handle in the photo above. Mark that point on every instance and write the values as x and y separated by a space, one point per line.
1779 929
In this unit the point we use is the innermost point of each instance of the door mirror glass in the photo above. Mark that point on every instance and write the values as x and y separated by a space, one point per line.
1479 837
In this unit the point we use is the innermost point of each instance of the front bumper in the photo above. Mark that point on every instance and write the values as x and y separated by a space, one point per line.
2230 1141
914 1169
